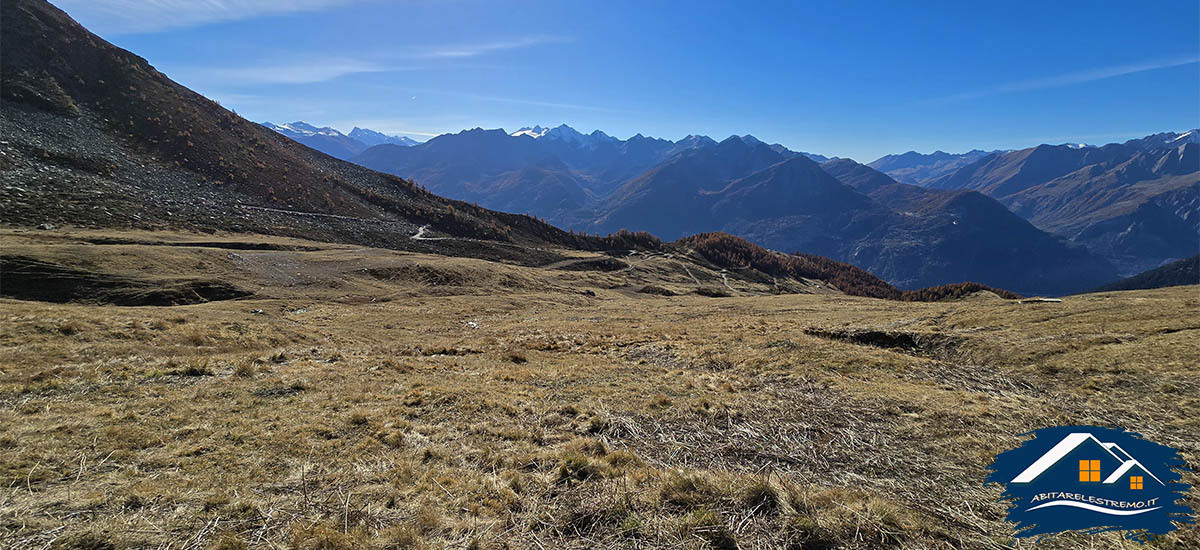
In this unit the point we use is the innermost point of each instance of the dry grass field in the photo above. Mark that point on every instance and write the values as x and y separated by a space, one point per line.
365 398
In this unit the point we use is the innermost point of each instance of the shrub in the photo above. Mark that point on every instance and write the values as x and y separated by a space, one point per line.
84 541
576 467
709 526
404 537
802 532
199 369
70 328
689 490
761 497
359 418
713 292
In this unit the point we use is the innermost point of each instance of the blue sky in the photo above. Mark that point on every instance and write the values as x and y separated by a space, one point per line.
856 79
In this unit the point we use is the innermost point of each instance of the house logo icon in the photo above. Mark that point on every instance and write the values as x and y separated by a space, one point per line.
1092 479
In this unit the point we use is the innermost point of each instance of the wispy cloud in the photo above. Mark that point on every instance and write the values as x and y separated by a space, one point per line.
308 69
483 48
113 17
290 72
1072 78
517 101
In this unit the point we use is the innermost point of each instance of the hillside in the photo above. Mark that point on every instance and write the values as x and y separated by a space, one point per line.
1180 273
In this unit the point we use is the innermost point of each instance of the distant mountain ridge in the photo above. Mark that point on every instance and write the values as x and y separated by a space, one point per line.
1136 203
915 168
334 143
768 194
371 138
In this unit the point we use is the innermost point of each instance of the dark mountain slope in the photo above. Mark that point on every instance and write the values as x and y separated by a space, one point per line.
861 178
810 191
729 252
1182 272
673 198
910 236
964 235
960 235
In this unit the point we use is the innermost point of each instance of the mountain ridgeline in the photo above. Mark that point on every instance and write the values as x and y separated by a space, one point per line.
1135 203
334 143
798 202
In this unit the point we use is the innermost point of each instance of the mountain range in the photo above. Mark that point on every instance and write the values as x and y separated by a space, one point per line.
92 136
910 235
1135 203
334 143
917 169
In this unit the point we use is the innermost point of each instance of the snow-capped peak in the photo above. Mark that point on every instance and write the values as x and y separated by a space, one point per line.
534 132
565 134
302 129
1190 136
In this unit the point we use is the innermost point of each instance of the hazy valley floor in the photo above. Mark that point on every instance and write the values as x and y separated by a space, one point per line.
365 398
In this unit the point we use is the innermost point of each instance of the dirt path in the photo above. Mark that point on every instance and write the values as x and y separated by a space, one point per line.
725 279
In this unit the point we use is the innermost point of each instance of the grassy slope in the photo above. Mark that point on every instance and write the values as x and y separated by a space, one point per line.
497 405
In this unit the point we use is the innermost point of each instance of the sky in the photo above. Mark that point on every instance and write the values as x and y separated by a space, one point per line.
851 79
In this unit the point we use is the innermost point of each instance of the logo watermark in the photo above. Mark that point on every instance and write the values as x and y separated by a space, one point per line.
1092 479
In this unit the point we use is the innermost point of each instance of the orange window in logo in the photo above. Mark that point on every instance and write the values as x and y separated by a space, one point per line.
1135 482
1089 470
